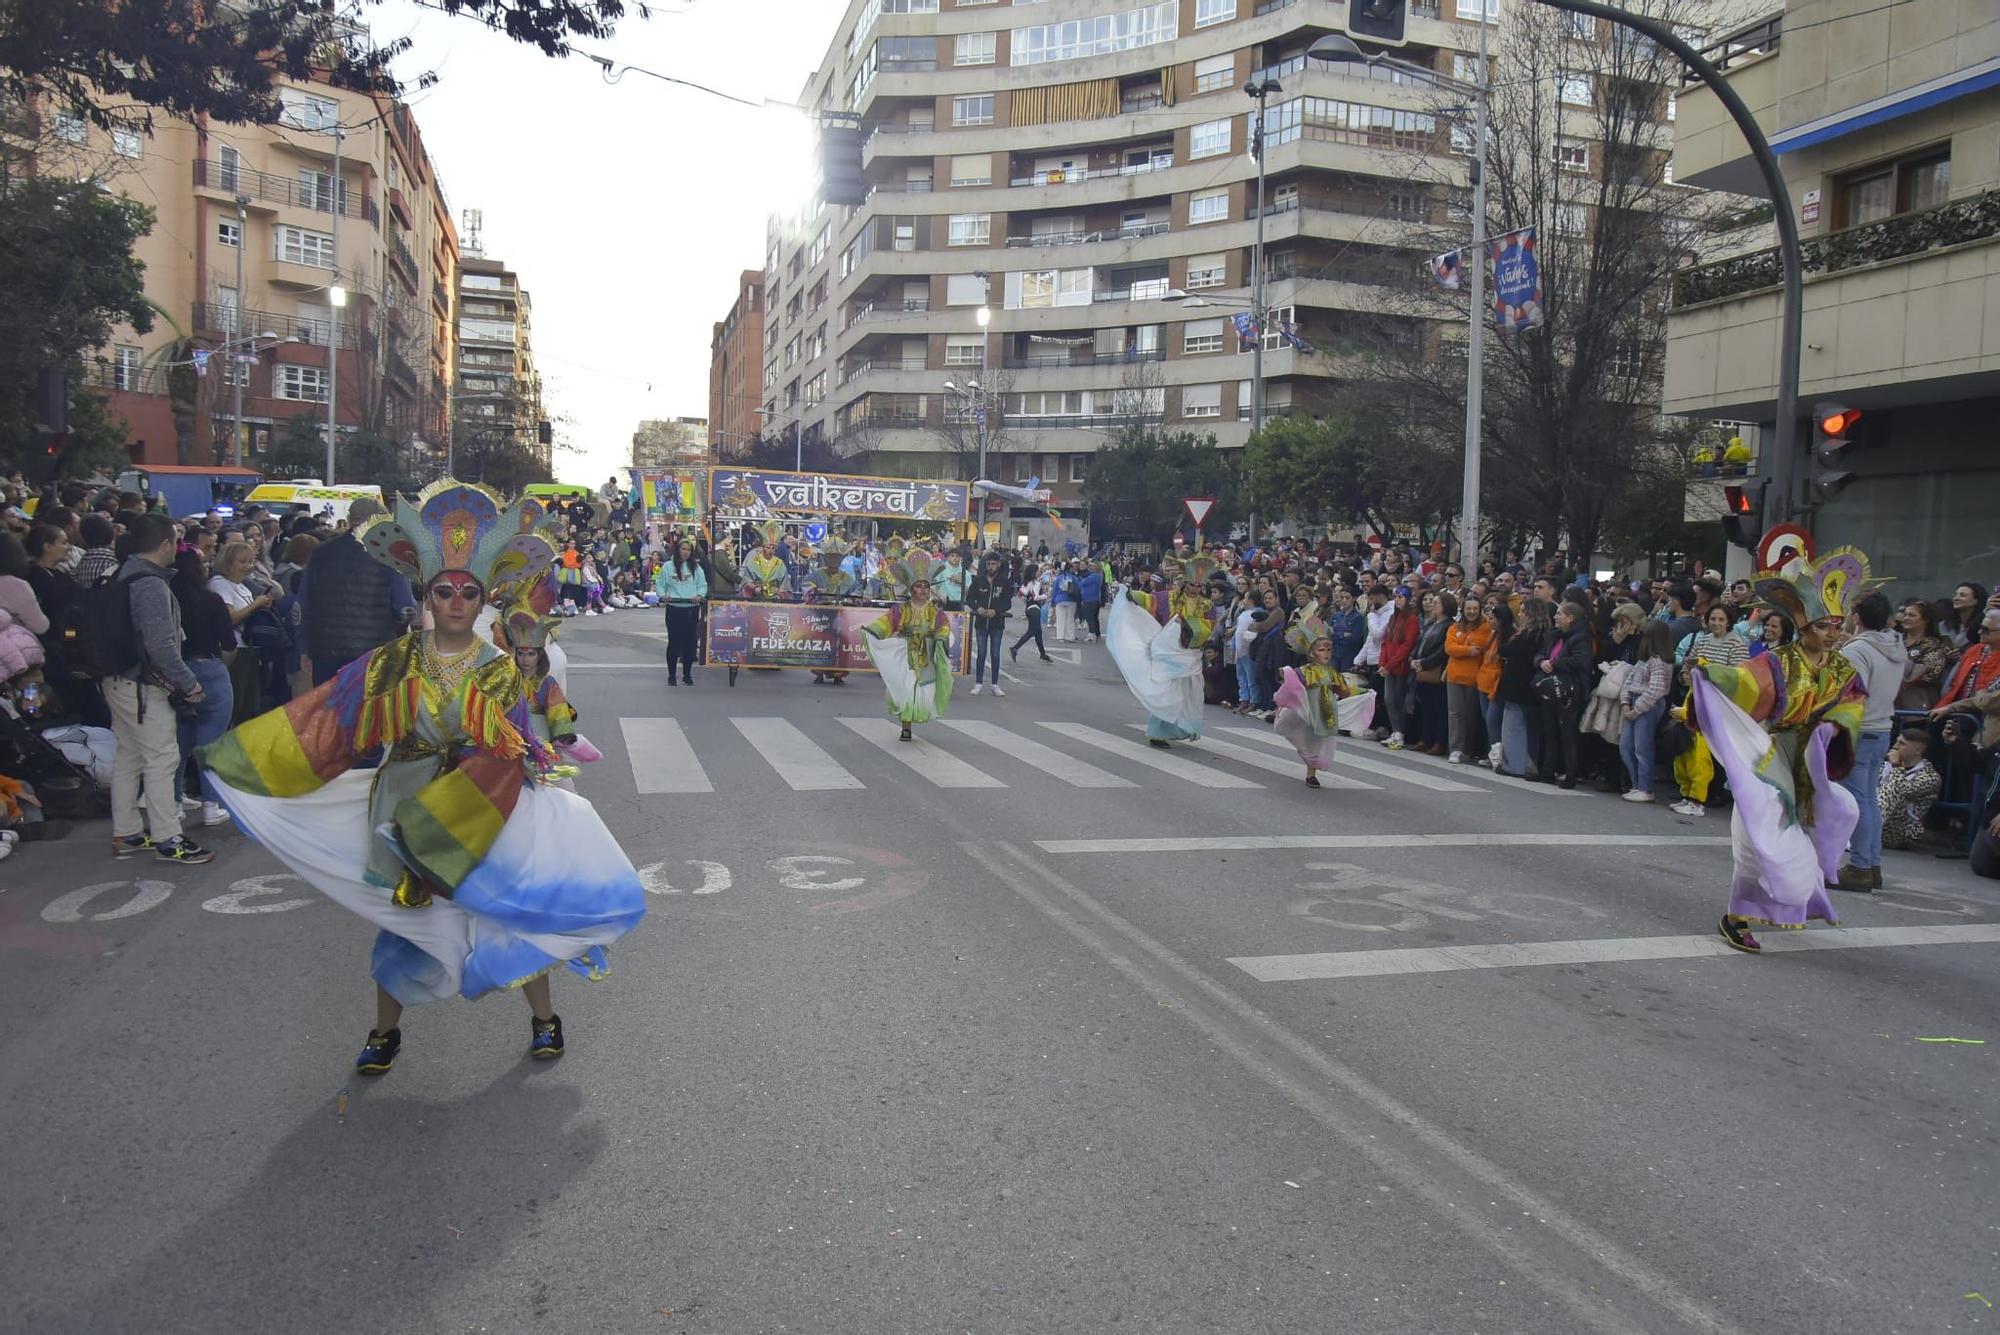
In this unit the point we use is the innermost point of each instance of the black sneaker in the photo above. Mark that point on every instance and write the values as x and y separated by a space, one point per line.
181 849
131 845
1736 934
547 1043
378 1054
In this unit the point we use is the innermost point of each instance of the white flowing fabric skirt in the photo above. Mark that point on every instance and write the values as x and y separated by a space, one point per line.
1162 676
911 698
554 889
1352 714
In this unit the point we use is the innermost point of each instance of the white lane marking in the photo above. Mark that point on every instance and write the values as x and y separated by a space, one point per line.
940 767
715 878
1347 758
796 757
1231 843
1073 656
1152 757
1451 959
1293 769
252 886
1463 771
662 760
803 871
69 907
1054 763
1011 677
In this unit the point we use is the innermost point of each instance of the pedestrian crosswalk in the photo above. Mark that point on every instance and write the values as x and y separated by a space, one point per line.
837 754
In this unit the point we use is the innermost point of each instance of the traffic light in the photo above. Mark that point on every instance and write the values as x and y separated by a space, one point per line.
1379 20
545 433
840 165
1836 430
1743 513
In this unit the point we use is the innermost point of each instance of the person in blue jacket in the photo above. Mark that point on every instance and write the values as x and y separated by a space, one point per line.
1349 626
1063 602
1089 598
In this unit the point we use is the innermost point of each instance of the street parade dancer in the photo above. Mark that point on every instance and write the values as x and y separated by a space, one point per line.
1315 702
1156 640
829 580
910 645
1783 727
481 874
528 634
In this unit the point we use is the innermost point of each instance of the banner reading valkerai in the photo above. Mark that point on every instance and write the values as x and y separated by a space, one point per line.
800 635
759 491
1517 282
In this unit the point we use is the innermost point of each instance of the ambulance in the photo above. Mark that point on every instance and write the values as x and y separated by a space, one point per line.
307 493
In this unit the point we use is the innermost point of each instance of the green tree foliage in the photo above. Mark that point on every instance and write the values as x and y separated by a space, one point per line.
96 443
1136 486
118 61
69 275
362 456
1348 467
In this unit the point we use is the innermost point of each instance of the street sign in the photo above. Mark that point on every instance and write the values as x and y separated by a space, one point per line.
815 532
1809 208
1198 507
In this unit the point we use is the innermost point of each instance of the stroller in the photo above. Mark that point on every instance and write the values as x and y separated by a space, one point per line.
67 791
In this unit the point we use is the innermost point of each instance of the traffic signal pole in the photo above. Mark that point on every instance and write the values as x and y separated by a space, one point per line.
1781 465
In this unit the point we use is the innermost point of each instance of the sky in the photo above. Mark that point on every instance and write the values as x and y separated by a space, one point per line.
627 209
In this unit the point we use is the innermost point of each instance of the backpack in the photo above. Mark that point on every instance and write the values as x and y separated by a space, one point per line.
108 641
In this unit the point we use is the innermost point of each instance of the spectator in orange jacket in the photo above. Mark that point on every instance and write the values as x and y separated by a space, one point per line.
1466 645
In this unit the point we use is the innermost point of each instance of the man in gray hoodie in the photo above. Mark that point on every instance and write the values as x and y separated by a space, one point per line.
142 707
1878 655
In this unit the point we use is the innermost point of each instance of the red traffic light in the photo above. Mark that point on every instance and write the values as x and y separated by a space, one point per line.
1737 501
1838 422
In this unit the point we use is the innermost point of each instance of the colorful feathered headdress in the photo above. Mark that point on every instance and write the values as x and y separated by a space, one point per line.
1197 568
525 628
830 577
1305 632
453 525
1814 589
916 566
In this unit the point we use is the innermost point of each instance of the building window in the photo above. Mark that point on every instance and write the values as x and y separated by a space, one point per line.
70 128
1279 316
127 143
302 111
316 191
295 245
1201 400
1578 27
1102 35
1211 206
973 48
972 110
964 289
1213 11
1573 89
972 169
125 367
1209 138
1207 271
1572 155
1570 219
1213 72
1464 68
228 233
1201 336
1477 9
969 229
1673 106
301 384
1079 464
1921 181
1409 206
964 349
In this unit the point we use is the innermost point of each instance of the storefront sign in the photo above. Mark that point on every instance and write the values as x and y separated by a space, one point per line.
757 492
800 635
1809 207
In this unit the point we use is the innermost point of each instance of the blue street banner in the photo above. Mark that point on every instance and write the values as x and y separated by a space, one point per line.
1248 331
1445 269
764 492
1517 282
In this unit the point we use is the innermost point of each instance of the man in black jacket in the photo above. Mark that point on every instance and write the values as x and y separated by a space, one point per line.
987 601
353 603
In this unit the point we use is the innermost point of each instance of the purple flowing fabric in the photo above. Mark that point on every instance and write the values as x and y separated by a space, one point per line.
1781 866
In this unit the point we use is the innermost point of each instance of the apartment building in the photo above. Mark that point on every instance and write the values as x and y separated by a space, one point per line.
499 390
736 369
678 442
286 257
1886 123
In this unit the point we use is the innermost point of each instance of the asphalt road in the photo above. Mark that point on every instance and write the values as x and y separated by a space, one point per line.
1015 1030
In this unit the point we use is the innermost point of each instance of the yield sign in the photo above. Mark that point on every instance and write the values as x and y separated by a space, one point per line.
1198 508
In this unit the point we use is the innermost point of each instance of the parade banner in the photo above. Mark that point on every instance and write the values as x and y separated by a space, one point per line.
758 492
801 635
666 493
1517 282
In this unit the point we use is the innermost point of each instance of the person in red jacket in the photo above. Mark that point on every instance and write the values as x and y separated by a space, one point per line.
1399 641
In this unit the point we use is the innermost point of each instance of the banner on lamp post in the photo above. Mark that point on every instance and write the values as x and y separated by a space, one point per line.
1517 281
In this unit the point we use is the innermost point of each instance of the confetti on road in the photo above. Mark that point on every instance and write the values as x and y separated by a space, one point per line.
1969 1042
1979 1298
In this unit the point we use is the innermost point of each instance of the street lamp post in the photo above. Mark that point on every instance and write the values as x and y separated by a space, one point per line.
237 375
336 297
1784 465
1261 89
1339 50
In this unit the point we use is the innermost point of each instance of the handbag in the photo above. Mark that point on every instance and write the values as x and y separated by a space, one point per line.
1674 739
1430 676
1551 688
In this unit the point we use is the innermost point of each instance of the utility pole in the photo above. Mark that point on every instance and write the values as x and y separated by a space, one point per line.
238 371
1475 346
1261 90
336 295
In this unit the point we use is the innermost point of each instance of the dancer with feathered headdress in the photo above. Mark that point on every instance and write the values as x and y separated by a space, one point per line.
1156 638
1783 726
480 874
910 645
829 580
1315 703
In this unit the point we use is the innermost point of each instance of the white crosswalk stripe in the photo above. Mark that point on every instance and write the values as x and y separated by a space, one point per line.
797 758
1166 762
1291 769
1402 774
940 767
662 760
1054 763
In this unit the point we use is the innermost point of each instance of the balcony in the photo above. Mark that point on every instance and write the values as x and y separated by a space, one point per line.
262 187
884 364
1974 218
211 318
887 309
440 297
1082 357
406 261
102 373
1085 238
1064 176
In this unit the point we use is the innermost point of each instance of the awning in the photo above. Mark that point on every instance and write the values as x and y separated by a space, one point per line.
1930 93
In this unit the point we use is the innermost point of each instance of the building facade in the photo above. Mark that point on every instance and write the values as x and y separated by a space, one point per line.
275 268
736 370
1887 127
683 442
499 390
